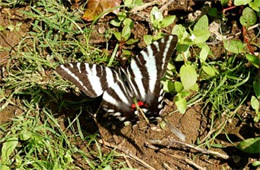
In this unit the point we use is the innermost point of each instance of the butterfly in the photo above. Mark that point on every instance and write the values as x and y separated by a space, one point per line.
138 84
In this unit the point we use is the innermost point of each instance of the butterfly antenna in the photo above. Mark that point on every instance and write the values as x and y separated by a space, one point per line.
95 114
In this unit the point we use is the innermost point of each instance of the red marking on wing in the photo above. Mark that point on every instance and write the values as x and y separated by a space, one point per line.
140 104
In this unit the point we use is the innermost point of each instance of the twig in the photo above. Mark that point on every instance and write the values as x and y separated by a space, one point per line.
188 161
194 164
165 6
213 130
127 152
145 5
166 166
127 162
169 141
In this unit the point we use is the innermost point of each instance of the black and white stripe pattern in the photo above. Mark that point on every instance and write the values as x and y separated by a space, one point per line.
143 80
92 79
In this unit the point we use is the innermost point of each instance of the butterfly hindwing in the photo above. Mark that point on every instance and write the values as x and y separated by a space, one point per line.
117 101
92 79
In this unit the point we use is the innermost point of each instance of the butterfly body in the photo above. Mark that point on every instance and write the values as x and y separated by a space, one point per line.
140 82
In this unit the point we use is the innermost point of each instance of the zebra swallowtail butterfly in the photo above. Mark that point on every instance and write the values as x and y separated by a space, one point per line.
140 81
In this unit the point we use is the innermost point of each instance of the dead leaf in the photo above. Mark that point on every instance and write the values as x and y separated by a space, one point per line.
96 7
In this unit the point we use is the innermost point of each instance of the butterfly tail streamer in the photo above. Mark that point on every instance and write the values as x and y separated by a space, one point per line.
175 131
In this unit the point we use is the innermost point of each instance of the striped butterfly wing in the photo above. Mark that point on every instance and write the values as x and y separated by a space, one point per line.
147 69
92 79
118 100
143 80
95 80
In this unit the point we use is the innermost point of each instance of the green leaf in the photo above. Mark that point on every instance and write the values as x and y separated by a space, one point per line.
255 103
224 2
168 86
181 104
118 36
200 36
178 86
168 20
241 2
248 17
202 24
234 46
183 52
25 135
8 148
204 53
257 117
255 5
108 167
213 12
184 93
126 32
181 32
128 22
126 52
200 31
133 3
148 39
256 163
195 87
128 2
251 145
131 41
157 37
156 17
256 86
253 59
209 70
121 16
138 2
4 167
115 22
188 76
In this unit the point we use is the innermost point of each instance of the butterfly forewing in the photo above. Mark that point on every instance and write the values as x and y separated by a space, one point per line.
92 79
147 69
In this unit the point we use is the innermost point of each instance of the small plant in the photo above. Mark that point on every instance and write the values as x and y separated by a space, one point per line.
189 71
123 37
255 105
254 4
158 22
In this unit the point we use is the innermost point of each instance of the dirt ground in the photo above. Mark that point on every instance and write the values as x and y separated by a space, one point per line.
137 142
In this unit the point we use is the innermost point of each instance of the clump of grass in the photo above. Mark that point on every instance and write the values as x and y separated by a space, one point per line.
27 142
225 93
34 138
